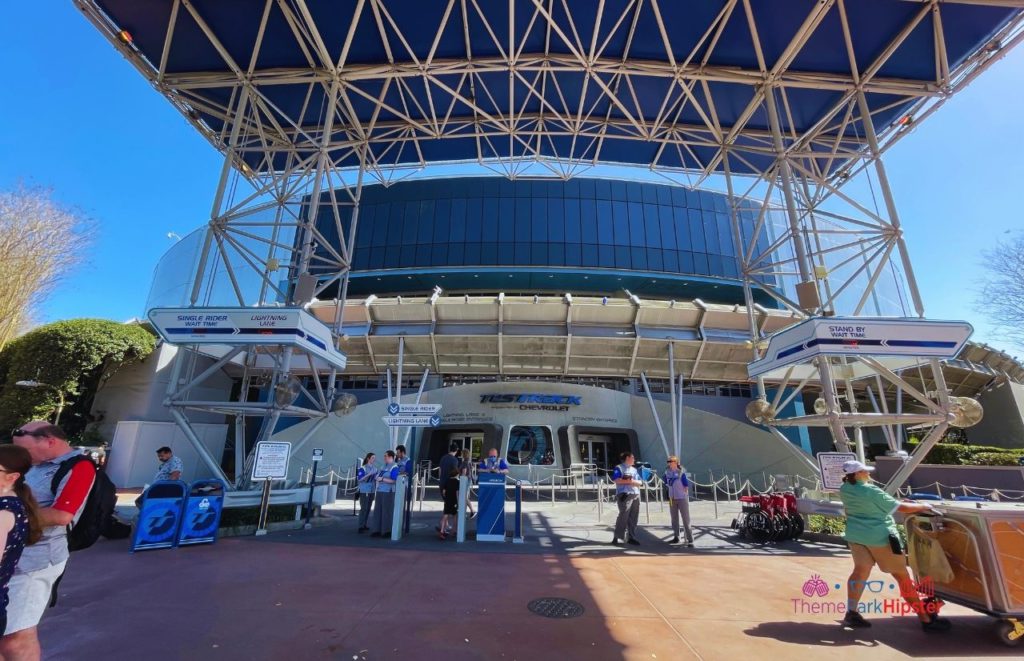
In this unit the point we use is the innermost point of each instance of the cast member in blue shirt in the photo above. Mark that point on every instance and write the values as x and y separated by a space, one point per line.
873 539
678 499
492 464
384 504
366 479
627 496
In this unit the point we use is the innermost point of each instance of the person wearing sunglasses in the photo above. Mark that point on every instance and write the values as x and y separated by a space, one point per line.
873 539
678 499
19 517
42 564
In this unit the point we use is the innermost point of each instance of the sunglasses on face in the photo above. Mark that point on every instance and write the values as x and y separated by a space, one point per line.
27 432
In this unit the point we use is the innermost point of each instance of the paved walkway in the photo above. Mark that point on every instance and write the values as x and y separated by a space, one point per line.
329 593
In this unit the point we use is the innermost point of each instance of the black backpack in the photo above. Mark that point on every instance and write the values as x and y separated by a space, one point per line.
98 511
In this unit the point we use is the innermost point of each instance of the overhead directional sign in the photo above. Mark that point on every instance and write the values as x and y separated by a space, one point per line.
232 326
412 420
839 336
394 408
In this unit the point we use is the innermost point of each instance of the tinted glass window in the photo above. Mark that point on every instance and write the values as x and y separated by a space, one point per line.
620 223
652 226
507 219
489 222
636 225
588 221
572 221
697 231
604 222
474 219
538 220
523 219
530 445
711 234
555 220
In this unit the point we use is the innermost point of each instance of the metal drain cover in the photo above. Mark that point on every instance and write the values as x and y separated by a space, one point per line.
555 607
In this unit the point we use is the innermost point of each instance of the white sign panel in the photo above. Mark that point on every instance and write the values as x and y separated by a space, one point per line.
831 465
271 460
412 420
287 326
318 454
839 336
394 408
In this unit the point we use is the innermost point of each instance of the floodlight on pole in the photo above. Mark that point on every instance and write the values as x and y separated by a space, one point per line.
31 384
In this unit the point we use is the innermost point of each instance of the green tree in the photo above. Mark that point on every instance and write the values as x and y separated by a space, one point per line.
73 358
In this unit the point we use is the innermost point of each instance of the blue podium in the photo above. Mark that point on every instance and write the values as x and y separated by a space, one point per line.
490 518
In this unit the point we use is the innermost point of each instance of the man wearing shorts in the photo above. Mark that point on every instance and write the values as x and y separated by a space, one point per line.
42 564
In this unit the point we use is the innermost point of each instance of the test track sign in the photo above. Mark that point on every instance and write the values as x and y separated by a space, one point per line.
271 460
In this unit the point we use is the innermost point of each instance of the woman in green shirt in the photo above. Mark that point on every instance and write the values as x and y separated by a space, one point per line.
873 539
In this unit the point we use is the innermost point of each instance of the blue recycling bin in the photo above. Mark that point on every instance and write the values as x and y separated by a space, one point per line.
925 496
203 507
160 513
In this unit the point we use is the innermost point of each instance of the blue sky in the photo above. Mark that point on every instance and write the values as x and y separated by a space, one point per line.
82 121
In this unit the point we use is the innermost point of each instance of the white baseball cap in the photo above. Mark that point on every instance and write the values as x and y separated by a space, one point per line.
854 466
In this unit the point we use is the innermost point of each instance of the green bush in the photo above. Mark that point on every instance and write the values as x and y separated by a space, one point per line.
830 525
997 458
249 516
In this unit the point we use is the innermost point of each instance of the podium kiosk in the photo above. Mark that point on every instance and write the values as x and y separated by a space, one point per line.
490 525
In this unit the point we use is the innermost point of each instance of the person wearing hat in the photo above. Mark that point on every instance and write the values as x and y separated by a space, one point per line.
678 499
873 539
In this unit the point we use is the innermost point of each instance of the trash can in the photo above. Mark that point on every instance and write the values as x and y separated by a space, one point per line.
201 520
160 511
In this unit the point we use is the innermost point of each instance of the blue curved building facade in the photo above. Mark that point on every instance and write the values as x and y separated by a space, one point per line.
489 234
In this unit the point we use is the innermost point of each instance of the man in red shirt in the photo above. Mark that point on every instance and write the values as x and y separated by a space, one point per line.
42 564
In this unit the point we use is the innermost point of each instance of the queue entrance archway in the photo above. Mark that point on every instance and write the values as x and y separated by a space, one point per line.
477 438
596 449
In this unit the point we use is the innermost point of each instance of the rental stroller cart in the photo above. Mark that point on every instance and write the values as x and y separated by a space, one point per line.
973 554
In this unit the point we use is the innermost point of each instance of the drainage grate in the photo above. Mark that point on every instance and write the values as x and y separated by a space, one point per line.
555 607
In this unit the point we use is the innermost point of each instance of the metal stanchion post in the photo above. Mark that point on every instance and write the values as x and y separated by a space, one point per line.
714 492
517 536
647 503
398 516
600 500
460 526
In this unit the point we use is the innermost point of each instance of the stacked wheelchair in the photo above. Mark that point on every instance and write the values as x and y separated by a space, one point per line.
769 517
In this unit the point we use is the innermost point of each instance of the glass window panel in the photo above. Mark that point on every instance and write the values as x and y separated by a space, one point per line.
439 254
489 223
538 220
652 227
392 256
573 254
692 199
522 219
650 193
456 254
572 188
604 223
711 234
422 254
506 187
474 219
606 256
524 189
458 220
410 221
506 252
572 221
725 242
379 234
620 224
407 257
636 224
700 264
671 258
697 231
715 266
707 200
622 260
377 258
507 219
556 254
668 228
603 189
619 191
664 195
730 268
489 253
590 256
522 254
678 196
588 189
588 221
539 254
472 257
682 225
721 204
654 261
633 192
686 261
395 224
362 259
442 220
639 258
555 219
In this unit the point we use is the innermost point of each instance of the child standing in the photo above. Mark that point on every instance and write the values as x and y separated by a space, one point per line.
451 503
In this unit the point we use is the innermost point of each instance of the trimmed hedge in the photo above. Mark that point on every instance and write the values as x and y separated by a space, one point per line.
949 454
997 458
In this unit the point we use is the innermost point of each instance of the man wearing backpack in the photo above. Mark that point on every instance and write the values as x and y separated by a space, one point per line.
60 506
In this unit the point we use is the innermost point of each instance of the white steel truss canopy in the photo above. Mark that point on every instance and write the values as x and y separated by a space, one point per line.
374 84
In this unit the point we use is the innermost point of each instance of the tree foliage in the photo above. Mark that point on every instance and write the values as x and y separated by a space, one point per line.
1001 297
41 242
77 356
